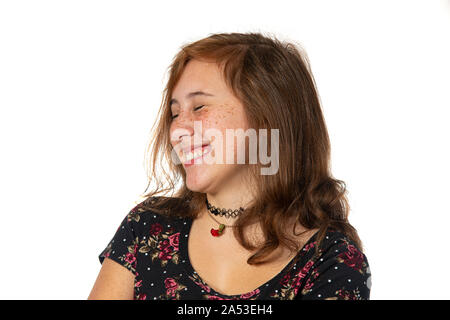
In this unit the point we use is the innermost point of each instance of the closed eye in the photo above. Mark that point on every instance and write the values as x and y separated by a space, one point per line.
199 107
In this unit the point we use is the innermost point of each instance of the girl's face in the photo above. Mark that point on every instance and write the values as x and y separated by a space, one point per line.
201 96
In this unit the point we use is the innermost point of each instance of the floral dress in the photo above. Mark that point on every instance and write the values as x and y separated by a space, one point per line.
154 248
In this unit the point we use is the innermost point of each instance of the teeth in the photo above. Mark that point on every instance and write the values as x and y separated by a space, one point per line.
197 153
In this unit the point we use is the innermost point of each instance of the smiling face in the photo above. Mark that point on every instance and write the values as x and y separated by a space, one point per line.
201 96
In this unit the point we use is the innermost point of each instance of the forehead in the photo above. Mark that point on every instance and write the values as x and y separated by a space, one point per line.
196 68
199 76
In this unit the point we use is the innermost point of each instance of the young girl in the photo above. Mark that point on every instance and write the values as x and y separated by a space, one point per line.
256 216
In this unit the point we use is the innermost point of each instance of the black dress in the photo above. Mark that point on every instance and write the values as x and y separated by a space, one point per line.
154 248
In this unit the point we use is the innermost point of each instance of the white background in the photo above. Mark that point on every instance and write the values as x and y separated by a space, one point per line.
81 81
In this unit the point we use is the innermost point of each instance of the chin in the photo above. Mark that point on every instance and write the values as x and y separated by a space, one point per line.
199 179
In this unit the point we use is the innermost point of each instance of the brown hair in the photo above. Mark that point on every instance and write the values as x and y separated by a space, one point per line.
273 80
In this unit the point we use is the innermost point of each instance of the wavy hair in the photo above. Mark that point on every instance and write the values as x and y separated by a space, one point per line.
273 80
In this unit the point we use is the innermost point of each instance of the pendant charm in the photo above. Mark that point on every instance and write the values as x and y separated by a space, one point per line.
218 232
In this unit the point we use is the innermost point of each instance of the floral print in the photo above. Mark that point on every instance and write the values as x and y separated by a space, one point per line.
162 245
290 284
128 259
154 248
199 281
352 258
172 288
209 296
336 272
245 296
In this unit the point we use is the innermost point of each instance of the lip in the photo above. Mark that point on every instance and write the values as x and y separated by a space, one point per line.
192 161
189 149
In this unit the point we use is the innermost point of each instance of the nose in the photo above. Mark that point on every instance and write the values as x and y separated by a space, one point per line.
184 126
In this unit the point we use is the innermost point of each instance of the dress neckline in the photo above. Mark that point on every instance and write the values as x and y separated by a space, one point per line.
184 253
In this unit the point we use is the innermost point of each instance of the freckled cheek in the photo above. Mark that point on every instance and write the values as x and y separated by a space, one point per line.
223 120
218 125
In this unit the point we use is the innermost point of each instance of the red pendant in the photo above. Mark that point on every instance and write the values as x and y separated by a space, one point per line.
217 232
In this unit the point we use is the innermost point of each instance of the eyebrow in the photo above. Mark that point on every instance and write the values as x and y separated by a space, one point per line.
191 95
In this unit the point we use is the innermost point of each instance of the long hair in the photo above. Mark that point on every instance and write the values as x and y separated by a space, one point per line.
274 82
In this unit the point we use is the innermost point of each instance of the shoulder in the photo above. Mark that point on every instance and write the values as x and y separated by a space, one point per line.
339 270
148 215
338 249
139 231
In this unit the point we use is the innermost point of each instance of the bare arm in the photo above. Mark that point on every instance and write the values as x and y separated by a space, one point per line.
114 282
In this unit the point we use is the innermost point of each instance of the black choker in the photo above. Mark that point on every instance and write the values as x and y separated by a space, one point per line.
223 212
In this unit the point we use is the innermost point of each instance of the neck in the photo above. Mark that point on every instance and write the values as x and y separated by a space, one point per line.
226 202
232 193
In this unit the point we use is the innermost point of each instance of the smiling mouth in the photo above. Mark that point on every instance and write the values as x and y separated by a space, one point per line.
189 157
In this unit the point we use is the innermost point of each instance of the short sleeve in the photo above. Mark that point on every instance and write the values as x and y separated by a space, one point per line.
341 273
123 246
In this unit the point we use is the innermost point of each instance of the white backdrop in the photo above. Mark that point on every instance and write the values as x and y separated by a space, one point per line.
81 81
